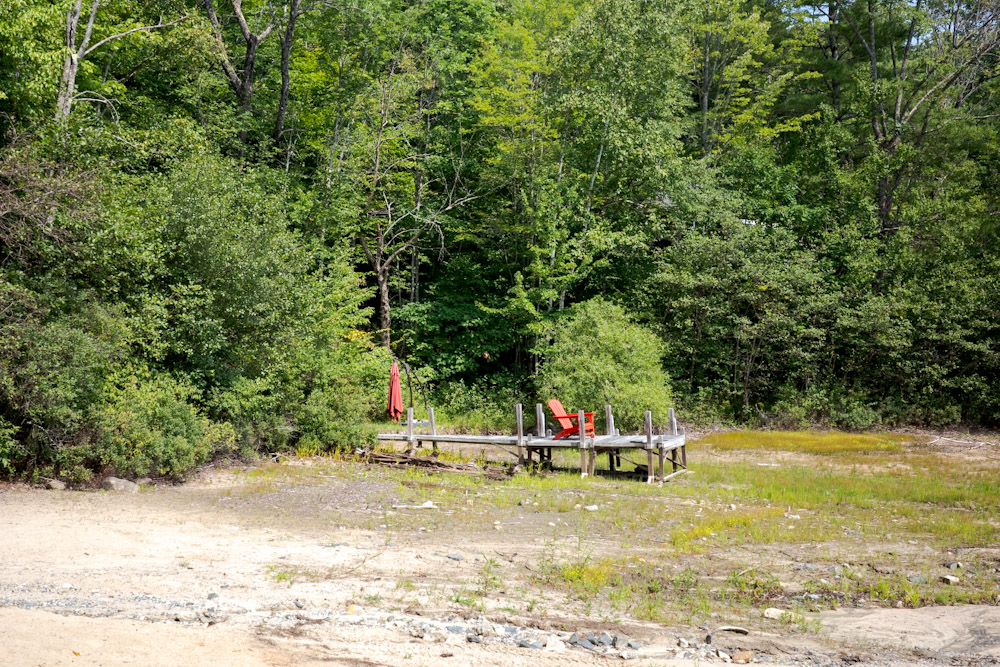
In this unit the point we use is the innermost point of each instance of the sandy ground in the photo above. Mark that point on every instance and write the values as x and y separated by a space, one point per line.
173 576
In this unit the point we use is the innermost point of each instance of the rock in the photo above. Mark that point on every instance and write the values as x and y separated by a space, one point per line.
628 655
917 579
456 556
592 508
743 657
708 638
737 629
119 485
951 566
455 629
683 643
213 596
950 579
585 643
475 639
524 643
144 481
781 615
298 603
620 641
635 645
553 643
55 485
485 629
605 639
725 657
453 639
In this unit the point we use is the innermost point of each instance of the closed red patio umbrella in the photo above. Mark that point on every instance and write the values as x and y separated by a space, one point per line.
395 406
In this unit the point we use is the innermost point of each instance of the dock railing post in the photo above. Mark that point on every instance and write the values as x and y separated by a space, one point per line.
582 432
539 430
684 453
519 413
409 431
434 431
609 424
649 447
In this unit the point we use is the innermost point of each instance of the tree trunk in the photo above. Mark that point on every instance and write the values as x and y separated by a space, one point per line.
67 86
286 58
385 317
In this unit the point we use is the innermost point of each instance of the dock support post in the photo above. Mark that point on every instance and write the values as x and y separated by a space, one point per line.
684 451
649 447
673 431
609 424
409 432
540 431
582 432
434 431
519 413
660 455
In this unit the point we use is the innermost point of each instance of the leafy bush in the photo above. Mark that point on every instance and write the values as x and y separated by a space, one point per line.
600 356
348 386
148 426
10 450
484 405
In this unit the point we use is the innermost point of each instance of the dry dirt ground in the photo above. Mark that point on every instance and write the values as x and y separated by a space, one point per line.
238 568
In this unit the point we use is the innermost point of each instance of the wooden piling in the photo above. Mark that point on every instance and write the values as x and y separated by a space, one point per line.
409 432
430 417
684 451
609 428
518 412
581 422
649 447
660 454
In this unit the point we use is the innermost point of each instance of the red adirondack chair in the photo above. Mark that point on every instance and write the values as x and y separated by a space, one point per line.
568 421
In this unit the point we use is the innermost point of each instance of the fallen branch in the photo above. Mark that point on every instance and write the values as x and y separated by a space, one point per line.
399 460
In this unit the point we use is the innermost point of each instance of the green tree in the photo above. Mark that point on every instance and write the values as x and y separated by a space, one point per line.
600 356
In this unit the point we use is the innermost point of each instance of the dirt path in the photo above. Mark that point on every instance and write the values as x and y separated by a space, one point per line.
178 575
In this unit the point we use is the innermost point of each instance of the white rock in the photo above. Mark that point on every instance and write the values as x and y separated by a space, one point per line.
119 485
781 615
553 643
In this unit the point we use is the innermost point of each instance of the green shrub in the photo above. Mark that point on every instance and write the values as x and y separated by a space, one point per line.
600 356
148 425
10 450
484 405
348 385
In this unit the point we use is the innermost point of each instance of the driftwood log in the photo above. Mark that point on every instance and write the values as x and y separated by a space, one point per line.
402 459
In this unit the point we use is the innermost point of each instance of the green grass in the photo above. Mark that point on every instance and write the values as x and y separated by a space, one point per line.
810 442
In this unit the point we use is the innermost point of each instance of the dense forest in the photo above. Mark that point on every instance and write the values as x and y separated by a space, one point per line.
220 220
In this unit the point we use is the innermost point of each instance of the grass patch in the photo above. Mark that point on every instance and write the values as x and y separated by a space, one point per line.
809 442
756 525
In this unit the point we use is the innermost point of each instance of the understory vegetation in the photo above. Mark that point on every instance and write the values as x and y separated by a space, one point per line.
220 221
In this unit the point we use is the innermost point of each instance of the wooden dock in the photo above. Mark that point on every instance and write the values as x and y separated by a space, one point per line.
659 448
